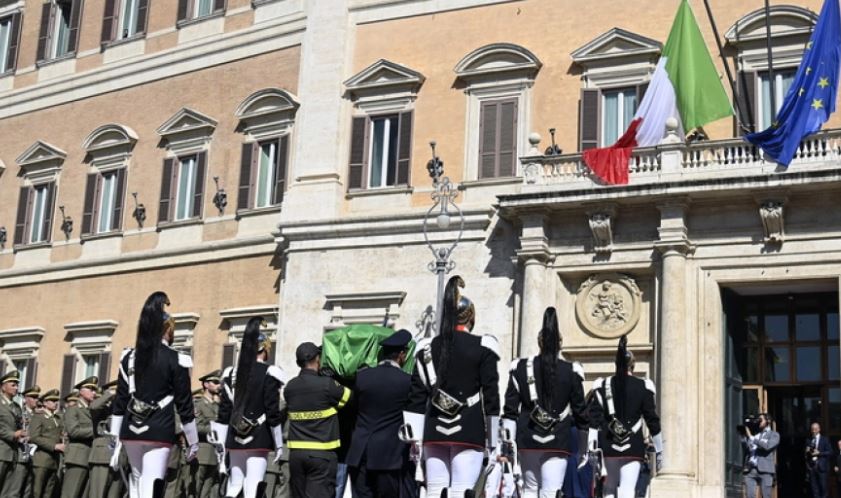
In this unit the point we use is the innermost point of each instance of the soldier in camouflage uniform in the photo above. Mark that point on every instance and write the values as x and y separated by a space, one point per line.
11 434
78 424
45 432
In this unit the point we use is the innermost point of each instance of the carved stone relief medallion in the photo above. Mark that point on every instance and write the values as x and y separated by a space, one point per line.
608 305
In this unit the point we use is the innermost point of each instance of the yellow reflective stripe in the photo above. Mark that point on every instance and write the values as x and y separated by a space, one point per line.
345 398
313 445
313 415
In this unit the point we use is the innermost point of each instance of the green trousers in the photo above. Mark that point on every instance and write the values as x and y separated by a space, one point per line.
11 479
44 482
75 480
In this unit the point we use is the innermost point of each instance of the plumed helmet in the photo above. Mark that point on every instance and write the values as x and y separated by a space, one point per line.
466 312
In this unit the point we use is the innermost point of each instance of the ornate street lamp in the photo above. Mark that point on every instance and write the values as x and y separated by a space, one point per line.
442 211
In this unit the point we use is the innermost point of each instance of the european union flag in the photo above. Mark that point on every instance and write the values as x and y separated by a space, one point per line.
811 98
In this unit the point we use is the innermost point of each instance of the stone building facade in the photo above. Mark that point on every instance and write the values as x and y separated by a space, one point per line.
279 148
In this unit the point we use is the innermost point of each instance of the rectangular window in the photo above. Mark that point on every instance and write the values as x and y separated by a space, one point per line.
128 19
39 213
90 366
266 174
186 188
203 8
782 81
498 138
21 366
107 200
61 29
383 147
618 108
5 41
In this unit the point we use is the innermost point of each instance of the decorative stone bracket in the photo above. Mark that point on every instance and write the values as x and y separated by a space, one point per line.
601 225
773 224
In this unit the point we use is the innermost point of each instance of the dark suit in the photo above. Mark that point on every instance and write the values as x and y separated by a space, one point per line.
378 460
819 467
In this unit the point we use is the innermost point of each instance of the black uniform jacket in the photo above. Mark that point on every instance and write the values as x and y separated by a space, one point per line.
473 370
263 399
169 374
313 402
636 403
567 391
382 394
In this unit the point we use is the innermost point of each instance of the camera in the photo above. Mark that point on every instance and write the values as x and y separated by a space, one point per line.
750 422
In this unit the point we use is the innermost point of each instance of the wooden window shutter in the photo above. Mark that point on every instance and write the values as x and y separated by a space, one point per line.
14 42
109 20
404 149
104 367
218 5
142 16
75 19
201 166
167 188
49 207
357 172
68 371
31 372
506 164
246 165
23 211
182 9
119 200
228 352
90 207
281 159
487 139
44 30
749 81
589 119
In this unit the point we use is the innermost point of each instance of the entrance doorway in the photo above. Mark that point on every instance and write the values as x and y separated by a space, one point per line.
783 359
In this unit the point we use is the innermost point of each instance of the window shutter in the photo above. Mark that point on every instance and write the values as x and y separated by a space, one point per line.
89 213
358 153
281 159
167 186
48 212
68 371
31 372
404 149
507 138
182 10
218 5
228 351
589 119
119 200
142 9
487 139
44 30
641 89
104 367
14 41
109 19
23 211
75 18
749 81
245 177
273 356
201 166
2 367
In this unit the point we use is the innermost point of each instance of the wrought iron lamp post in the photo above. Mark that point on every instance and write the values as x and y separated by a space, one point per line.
441 211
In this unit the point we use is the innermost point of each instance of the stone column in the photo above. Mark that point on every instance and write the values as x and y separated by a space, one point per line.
678 381
323 120
537 290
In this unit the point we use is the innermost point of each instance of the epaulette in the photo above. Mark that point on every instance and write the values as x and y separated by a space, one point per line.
491 343
598 383
514 363
185 361
649 384
277 373
578 368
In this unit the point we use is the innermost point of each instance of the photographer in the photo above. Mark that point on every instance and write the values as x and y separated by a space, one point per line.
818 452
760 442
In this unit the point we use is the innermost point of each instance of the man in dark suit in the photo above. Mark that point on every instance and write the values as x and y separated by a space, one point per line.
378 460
818 453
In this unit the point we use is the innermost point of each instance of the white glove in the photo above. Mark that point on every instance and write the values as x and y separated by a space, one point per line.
220 435
116 425
192 452
191 433
592 439
277 433
115 457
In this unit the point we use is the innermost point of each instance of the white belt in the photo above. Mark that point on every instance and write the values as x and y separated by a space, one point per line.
166 401
637 426
473 399
564 414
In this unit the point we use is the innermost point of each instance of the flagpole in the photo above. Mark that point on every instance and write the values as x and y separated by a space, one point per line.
770 62
727 70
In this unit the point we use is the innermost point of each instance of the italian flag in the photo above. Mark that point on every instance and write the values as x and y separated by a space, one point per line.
685 86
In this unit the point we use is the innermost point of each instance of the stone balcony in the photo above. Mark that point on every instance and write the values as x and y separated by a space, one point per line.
675 167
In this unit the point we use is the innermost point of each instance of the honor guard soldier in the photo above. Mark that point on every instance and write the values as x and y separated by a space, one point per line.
205 401
453 410
102 477
313 401
545 396
378 459
622 403
153 378
78 424
12 437
46 433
